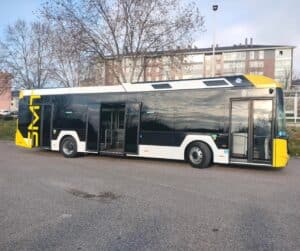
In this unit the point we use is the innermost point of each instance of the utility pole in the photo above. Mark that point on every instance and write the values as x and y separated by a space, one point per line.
213 68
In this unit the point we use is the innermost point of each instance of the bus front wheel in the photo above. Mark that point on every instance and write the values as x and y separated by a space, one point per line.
199 155
68 147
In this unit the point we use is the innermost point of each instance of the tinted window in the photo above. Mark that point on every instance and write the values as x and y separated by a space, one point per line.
239 128
199 111
148 112
215 82
70 111
132 124
280 120
157 112
161 86
262 129
25 116
92 127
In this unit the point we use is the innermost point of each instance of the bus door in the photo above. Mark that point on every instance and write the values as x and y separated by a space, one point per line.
132 127
93 127
112 128
46 115
251 129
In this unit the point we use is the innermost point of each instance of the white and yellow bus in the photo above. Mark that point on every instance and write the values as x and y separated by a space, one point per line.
226 120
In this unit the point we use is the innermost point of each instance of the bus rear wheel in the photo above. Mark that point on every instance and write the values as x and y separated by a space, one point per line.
68 147
199 155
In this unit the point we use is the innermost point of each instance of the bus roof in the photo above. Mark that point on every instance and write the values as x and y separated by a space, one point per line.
237 81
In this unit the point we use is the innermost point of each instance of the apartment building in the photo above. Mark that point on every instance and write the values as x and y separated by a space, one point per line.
14 105
274 61
5 91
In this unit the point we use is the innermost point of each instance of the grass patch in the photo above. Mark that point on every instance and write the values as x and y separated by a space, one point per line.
7 129
294 140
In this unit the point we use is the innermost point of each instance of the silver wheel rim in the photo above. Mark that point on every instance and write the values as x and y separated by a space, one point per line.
68 147
196 155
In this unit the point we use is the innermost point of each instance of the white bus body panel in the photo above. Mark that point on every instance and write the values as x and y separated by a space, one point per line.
129 87
81 145
154 151
177 152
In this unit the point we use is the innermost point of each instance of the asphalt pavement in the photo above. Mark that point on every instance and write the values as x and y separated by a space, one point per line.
48 202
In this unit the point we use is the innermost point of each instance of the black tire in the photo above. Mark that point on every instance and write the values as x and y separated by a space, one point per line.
68 147
199 155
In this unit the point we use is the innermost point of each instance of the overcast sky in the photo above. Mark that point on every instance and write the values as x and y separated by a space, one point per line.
266 21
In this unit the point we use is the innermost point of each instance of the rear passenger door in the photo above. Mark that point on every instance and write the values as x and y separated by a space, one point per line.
132 127
251 130
46 115
93 128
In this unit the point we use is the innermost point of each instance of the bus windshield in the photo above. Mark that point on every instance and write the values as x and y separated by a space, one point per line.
280 120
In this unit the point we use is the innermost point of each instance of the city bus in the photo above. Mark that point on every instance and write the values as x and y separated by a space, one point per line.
227 120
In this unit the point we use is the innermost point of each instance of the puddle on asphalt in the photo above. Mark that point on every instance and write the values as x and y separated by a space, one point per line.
104 196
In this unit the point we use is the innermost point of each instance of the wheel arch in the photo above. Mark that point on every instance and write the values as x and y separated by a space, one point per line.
56 144
198 141
61 140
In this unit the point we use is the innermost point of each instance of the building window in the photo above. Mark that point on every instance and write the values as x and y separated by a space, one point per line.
166 60
261 55
218 57
256 73
194 58
234 67
234 56
256 64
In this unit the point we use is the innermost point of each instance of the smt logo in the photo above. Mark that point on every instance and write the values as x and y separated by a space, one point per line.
33 128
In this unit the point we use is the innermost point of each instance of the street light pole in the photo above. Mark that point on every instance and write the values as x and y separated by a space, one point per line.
214 8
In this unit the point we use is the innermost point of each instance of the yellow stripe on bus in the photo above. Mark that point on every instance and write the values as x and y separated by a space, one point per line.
262 81
21 94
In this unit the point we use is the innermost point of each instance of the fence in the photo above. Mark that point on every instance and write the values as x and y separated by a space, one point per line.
292 106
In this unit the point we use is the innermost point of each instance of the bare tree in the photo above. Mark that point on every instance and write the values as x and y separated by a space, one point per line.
295 75
286 78
26 55
69 62
109 30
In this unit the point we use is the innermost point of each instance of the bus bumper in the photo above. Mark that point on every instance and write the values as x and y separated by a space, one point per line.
21 141
280 153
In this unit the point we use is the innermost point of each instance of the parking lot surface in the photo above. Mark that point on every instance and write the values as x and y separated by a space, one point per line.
48 202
